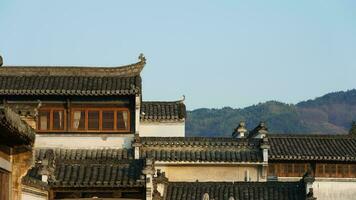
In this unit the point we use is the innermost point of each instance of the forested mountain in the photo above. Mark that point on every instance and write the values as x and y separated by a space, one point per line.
332 113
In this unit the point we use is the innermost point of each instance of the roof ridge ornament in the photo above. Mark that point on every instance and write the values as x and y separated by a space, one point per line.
142 58
182 99
1 61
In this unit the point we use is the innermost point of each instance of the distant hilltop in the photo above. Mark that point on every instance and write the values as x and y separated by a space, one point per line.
332 113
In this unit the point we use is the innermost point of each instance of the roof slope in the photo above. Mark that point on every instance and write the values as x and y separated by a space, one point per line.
237 190
88 81
163 111
312 147
14 131
196 149
91 168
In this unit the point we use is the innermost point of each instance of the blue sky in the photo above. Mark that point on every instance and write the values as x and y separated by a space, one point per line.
216 53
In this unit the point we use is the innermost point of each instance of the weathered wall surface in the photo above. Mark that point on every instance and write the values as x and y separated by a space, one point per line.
335 189
31 193
164 129
82 140
21 163
192 173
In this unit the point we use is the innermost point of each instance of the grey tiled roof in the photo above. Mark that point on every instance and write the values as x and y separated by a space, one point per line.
13 130
81 174
87 81
69 85
163 111
237 190
312 147
199 149
92 155
92 168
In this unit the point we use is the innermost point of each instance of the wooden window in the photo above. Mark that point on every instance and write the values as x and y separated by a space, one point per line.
330 170
78 120
58 120
336 170
52 119
287 169
44 121
100 119
300 169
122 119
353 170
93 120
272 169
108 120
320 170
342 170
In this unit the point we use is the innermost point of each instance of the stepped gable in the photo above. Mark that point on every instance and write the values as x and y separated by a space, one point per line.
78 168
313 147
13 130
76 81
163 111
237 190
201 149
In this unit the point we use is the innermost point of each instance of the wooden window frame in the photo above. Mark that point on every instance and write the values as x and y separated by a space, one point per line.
51 110
115 110
338 173
281 169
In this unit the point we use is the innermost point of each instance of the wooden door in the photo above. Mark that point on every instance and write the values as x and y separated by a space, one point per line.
4 185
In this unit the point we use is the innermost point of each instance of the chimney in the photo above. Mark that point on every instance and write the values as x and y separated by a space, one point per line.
240 130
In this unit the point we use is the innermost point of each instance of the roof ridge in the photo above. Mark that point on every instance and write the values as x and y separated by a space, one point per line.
346 136
124 70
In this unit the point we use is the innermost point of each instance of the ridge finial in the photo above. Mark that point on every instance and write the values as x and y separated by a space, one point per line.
142 58
182 99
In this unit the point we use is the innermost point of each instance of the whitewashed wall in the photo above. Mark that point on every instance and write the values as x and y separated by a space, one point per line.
163 129
33 195
207 173
83 140
338 189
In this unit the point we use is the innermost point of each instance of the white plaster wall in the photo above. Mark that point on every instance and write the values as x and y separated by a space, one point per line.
163 129
83 140
29 196
216 173
335 189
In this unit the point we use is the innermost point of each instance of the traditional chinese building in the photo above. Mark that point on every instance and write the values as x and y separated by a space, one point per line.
94 137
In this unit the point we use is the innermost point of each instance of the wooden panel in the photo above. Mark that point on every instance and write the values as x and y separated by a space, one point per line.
335 170
4 185
287 169
93 120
